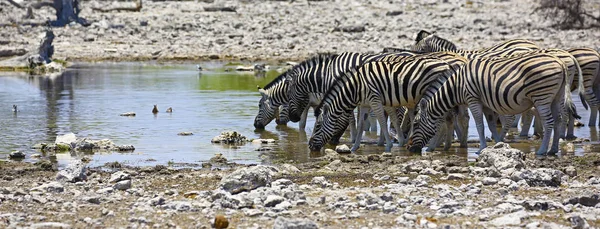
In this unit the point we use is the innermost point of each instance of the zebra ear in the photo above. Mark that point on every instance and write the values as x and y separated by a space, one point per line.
262 92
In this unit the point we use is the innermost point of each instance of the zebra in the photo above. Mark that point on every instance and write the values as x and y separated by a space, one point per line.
457 120
375 85
588 59
313 77
507 86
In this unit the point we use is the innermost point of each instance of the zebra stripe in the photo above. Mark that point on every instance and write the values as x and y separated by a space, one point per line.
589 60
375 85
507 86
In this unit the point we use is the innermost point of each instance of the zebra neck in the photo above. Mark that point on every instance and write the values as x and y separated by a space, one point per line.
446 98
279 94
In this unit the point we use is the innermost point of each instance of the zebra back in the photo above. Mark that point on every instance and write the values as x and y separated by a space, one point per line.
434 43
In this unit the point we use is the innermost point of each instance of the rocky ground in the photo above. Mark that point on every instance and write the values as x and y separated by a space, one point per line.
281 30
503 188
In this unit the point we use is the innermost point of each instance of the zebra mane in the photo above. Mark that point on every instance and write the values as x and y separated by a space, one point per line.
343 76
304 64
397 50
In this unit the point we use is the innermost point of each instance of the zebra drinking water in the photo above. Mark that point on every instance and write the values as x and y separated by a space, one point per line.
507 86
381 86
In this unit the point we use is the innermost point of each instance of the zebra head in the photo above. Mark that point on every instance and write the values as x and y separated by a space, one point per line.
424 128
266 111
298 99
327 124
283 117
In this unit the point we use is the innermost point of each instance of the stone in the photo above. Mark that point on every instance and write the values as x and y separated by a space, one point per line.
53 225
334 165
74 172
247 179
577 222
321 181
589 201
252 212
389 207
455 176
542 177
286 223
185 133
105 190
229 137
122 185
512 219
66 139
128 114
501 156
119 176
342 149
218 159
92 199
273 200
350 29
331 155
17 154
288 169
489 181
52 187
570 171
263 141
220 222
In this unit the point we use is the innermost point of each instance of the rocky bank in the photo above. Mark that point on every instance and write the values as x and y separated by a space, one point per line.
281 30
503 188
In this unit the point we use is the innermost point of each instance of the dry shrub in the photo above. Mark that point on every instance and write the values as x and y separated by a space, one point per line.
566 13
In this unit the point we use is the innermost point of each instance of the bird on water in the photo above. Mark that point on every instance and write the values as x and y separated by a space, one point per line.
154 110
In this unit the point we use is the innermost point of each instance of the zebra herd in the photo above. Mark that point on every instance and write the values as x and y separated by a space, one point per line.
426 91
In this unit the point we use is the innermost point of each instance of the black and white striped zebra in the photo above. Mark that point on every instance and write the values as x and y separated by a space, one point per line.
380 86
588 59
274 95
507 86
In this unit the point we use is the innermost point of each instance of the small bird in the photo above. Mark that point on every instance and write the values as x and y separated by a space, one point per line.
15 110
154 110
198 67
169 110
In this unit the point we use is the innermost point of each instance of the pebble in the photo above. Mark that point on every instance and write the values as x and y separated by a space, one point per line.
455 176
220 222
123 185
273 200
489 181
342 149
16 155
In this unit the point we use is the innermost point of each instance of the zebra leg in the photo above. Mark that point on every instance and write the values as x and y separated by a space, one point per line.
436 141
394 122
381 139
373 123
380 114
362 111
352 126
405 126
515 124
302 123
506 124
570 128
559 124
593 116
526 118
538 125
477 111
462 126
547 117
492 118
450 131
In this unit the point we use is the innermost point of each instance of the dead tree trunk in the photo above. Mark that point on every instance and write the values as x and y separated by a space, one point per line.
67 11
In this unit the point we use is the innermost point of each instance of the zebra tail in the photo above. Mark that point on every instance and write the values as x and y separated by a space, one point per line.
580 86
569 105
